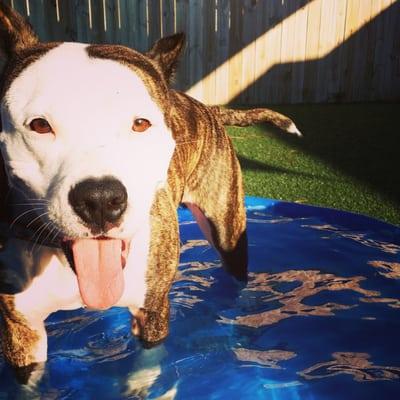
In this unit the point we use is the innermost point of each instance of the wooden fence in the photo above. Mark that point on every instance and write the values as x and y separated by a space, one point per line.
248 51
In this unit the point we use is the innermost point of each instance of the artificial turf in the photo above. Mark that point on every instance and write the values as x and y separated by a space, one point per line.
348 158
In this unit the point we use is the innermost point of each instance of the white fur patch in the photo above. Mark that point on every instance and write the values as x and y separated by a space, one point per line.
293 129
136 268
90 104
56 288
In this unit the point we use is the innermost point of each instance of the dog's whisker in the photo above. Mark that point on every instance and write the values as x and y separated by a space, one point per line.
37 218
39 233
39 200
41 227
28 204
25 213
50 232
58 230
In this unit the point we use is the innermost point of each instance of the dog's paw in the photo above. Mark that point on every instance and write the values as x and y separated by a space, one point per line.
240 274
149 345
147 330
30 374
138 331
138 323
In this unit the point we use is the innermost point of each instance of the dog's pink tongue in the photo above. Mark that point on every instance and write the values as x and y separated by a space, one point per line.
98 266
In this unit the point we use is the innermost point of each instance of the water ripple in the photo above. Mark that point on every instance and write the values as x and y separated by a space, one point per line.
355 364
310 283
387 269
360 238
266 358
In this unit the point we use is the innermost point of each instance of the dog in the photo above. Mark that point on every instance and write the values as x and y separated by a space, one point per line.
97 153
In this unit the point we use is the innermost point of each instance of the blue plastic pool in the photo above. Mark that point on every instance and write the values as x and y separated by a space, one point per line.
319 319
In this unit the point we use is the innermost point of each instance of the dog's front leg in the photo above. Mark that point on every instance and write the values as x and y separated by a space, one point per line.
22 332
24 339
151 321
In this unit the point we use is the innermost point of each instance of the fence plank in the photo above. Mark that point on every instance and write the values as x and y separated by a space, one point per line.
390 67
394 73
81 9
168 17
130 23
312 46
337 61
300 29
209 51
262 53
154 15
36 15
195 48
111 21
360 47
235 45
326 42
350 29
366 90
249 52
287 47
222 53
182 25
144 25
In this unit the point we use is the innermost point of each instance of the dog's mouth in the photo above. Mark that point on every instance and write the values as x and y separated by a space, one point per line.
98 263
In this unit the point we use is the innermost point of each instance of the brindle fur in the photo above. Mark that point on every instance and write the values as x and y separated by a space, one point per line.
163 259
204 173
16 334
253 116
16 32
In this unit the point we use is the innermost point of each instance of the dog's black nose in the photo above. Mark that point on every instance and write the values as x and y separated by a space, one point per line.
99 201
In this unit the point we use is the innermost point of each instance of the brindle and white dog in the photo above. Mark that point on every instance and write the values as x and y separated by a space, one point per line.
97 152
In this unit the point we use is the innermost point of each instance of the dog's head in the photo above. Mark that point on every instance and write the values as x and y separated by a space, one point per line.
86 129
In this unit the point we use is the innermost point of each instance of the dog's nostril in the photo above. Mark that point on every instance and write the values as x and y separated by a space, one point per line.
92 205
116 202
99 201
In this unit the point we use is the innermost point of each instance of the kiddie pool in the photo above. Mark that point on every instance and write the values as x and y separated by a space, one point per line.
319 319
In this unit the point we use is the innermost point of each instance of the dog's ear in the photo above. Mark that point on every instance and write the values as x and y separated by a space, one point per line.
166 52
15 32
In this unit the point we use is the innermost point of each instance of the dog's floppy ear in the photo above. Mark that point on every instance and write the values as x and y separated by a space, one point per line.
15 32
166 52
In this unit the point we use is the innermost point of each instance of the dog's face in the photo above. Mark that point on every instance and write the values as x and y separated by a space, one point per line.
86 140
71 118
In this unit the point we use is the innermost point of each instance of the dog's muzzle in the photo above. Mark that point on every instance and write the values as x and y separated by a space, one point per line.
98 261
100 203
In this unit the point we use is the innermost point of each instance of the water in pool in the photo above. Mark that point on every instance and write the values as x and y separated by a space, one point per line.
319 319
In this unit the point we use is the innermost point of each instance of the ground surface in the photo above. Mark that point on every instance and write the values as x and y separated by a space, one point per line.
348 158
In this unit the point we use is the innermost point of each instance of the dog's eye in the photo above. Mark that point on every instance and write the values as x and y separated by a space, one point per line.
141 125
40 125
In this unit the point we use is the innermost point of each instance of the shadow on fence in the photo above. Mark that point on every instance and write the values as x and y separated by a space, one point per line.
366 67
228 54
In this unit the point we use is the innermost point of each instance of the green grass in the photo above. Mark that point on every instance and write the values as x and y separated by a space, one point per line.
348 158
